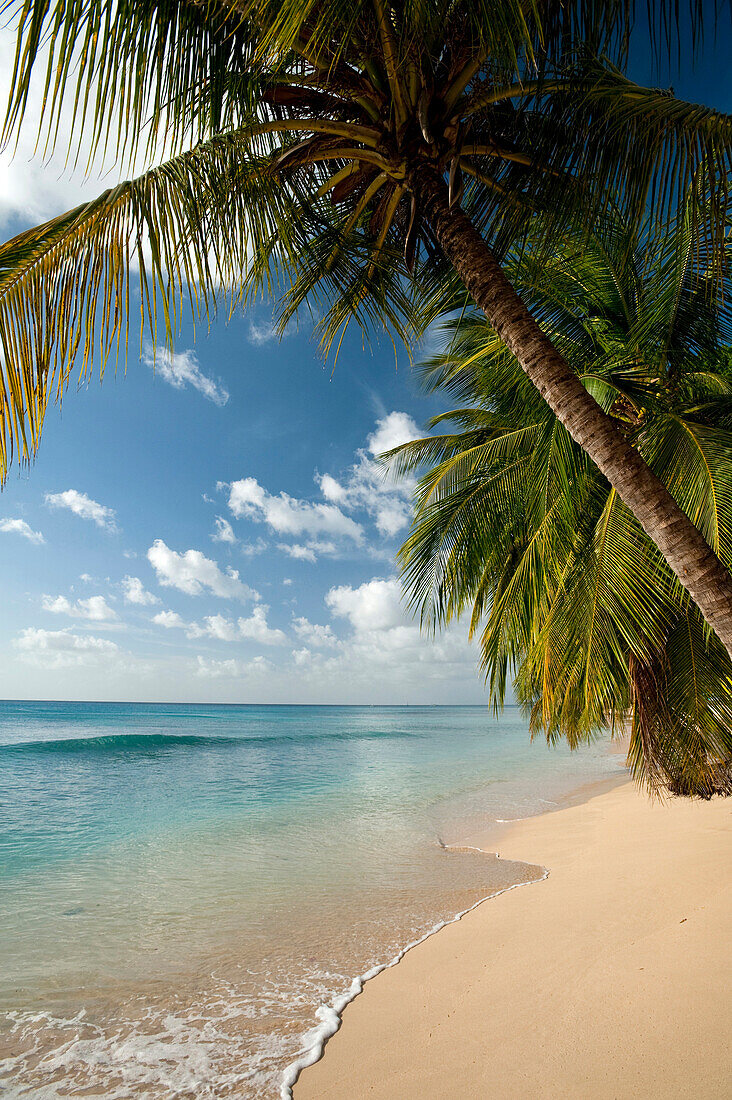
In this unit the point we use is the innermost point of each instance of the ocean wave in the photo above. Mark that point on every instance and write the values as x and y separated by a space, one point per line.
118 742
156 742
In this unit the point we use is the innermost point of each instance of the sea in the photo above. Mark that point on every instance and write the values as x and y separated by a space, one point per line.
191 894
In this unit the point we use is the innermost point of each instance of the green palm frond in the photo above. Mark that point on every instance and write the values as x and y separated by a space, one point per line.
187 230
516 530
313 112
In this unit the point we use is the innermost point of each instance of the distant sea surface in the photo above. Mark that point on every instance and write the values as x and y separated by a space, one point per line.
184 889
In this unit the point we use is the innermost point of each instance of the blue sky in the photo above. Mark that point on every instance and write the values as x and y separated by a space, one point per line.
215 529
235 486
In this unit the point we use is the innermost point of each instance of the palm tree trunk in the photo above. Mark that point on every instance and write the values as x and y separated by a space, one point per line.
693 561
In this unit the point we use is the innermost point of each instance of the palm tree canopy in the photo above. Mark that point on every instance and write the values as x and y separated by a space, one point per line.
516 528
282 138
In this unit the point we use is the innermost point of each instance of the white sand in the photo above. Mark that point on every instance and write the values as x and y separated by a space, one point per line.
609 979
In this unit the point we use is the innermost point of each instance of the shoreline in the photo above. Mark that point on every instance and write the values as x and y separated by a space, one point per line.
316 1039
619 870
331 1016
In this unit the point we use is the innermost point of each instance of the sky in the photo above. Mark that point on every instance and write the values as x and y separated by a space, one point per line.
211 526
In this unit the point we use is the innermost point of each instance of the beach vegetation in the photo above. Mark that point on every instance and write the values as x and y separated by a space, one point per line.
335 154
516 530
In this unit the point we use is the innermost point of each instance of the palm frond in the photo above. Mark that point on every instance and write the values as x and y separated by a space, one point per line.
515 530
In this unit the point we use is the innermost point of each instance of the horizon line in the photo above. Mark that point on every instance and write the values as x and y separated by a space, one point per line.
181 703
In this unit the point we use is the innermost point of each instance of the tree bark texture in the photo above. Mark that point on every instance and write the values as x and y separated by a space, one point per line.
693 561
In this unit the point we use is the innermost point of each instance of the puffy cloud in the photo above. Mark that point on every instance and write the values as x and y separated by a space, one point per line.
383 655
182 369
214 626
95 608
298 551
309 551
193 573
223 532
20 527
84 507
220 628
302 657
135 592
374 605
62 649
257 630
313 634
288 516
168 619
369 486
391 431
213 669
320 527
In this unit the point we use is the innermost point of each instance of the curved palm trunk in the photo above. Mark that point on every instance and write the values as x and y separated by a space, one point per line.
693 561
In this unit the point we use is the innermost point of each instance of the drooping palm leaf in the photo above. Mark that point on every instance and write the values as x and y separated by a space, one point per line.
514 526
322 101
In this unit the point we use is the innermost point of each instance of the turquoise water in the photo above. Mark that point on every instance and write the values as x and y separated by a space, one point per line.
181 886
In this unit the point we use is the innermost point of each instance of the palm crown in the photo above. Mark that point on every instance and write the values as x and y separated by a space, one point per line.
294 128
332 148
515 526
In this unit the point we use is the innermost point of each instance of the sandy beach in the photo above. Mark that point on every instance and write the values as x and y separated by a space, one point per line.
608 979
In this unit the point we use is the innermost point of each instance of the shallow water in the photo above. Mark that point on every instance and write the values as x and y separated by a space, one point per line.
182 886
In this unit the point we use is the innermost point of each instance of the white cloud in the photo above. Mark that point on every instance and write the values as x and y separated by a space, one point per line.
135 592
298 551
193 573
370 486
374 605
383 655
224 532
257 630
302 656
95 608
83 506
317 528
221 629
168 619
213 669
62 649
262 332
391 431
181 368
20 527
214 626
251 549
313 633
288 516
309 551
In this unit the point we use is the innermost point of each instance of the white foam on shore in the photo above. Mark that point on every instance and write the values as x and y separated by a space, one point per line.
314 1041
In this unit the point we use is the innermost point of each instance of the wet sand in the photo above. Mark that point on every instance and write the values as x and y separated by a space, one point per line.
608 979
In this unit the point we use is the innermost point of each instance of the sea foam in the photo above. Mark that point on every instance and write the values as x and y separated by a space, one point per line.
330 1016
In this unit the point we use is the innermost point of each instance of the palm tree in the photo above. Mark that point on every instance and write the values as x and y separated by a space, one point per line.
515 526
335 148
